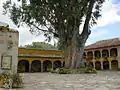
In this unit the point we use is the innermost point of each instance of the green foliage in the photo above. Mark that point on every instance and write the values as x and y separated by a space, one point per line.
68 71
17 81
49 69
90 69
9 79
59 17
41 45
62 71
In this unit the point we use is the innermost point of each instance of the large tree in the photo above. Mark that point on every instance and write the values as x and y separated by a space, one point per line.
61 19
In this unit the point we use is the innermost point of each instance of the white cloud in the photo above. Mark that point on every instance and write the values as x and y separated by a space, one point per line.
98 33
109 14
25 37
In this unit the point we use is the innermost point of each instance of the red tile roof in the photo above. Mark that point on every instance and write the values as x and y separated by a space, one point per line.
104 43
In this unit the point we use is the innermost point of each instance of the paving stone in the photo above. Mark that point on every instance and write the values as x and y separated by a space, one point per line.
103 80
101 88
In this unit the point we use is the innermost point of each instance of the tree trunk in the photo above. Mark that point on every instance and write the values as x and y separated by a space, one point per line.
79 55
74 58
74 55
68 56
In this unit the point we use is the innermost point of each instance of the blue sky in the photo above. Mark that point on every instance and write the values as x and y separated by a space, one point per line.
108 25
115 1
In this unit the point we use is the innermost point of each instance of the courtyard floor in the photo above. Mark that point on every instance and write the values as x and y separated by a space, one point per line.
103 80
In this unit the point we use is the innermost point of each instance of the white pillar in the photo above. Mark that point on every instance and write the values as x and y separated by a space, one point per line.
110 65
94 64
62 64
101 64
109 52
101 53
41 66
119 63
30 66
52 65
93 54
0 60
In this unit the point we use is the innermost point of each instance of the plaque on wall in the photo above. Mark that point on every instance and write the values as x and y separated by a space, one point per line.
6 62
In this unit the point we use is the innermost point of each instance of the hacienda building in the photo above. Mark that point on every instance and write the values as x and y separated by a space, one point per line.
102 55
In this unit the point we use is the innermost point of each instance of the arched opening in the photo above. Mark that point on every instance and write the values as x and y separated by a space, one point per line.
84 55
97 65
47 65
105 53
90 55
23 66
85 63
113 52
105 65
36 66
114 64
97 54
56 64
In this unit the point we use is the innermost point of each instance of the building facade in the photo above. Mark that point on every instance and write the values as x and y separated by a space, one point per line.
9 39
38 60
104 54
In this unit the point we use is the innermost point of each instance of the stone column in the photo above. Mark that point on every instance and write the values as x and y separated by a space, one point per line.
94 64
101 64
41 66
118 63
100 53
86 54
0 61
110 65
52 65
61 63
109 52
30 66
93 54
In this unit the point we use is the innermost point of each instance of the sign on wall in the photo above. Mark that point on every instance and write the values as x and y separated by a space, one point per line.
6 62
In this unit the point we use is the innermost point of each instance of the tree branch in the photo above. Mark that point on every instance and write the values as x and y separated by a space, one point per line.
88 17
44 30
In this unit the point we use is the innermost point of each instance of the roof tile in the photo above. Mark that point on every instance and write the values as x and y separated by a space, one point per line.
104 43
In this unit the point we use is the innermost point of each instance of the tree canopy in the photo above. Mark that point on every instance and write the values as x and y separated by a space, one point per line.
59 18
41 45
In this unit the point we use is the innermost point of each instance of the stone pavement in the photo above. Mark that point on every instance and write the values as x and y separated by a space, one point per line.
103 80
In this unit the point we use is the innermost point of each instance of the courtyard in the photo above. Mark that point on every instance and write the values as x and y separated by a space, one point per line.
103 80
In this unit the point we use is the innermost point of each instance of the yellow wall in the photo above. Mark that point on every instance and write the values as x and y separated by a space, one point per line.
39 51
